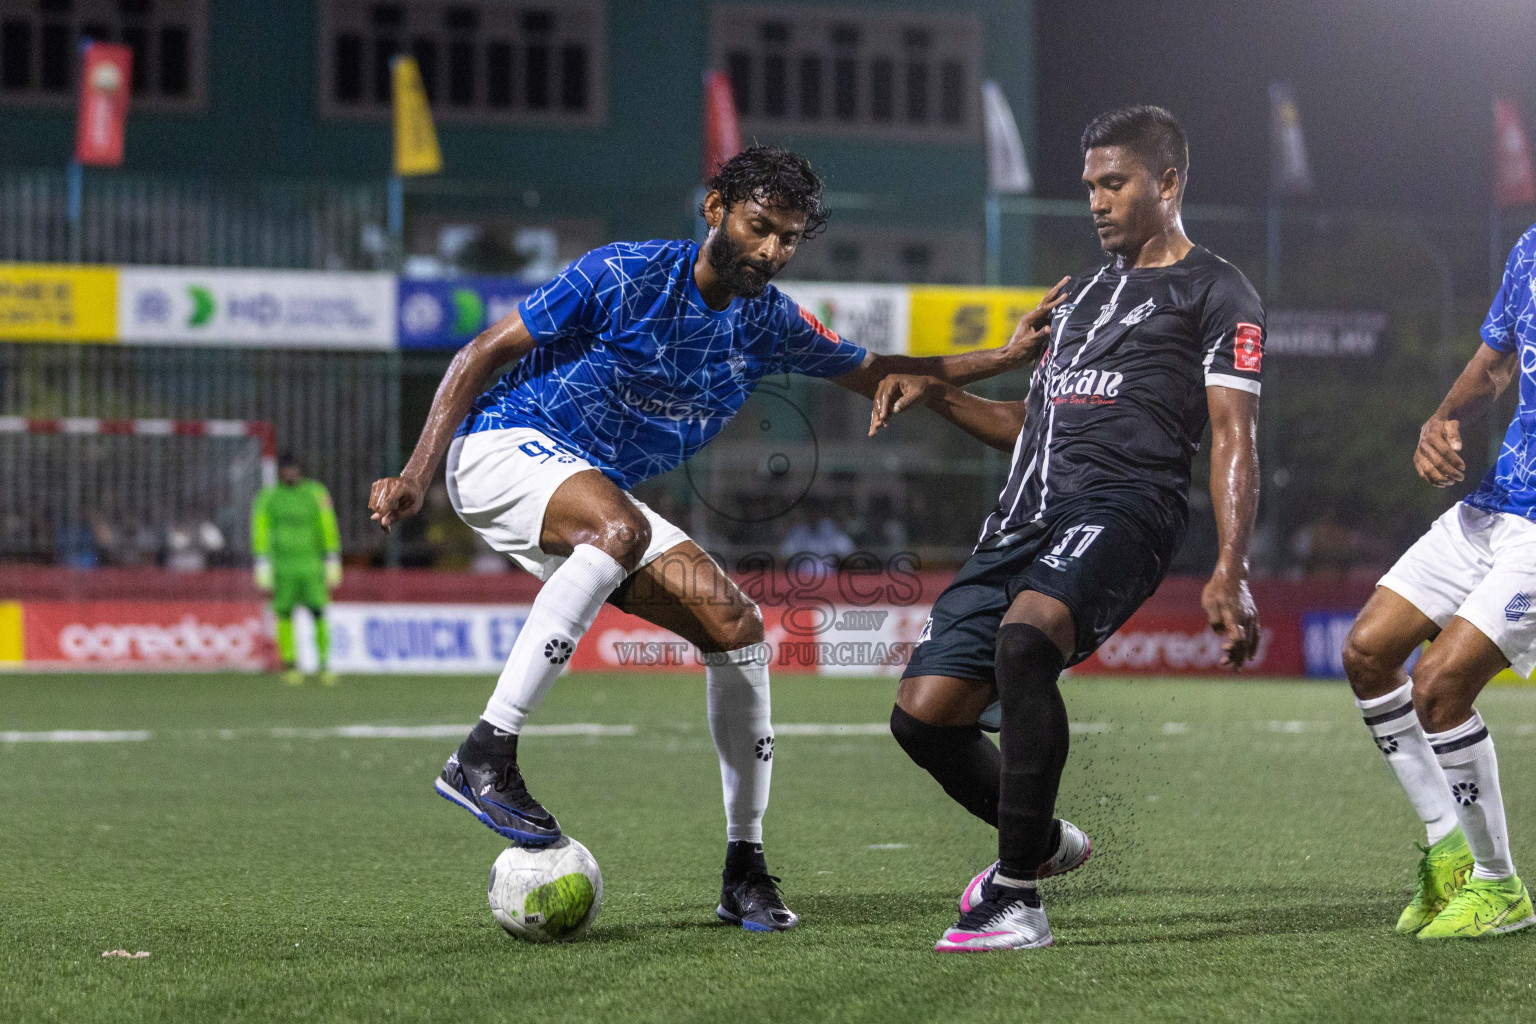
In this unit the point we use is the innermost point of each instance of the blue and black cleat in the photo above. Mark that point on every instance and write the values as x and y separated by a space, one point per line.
753 901
497 796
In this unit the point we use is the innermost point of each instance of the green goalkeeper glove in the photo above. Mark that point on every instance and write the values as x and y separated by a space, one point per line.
264 575
332 571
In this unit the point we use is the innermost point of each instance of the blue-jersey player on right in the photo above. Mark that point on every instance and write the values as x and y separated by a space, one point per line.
1468 585
627 363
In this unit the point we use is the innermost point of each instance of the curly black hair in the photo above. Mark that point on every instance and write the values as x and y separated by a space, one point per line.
775 178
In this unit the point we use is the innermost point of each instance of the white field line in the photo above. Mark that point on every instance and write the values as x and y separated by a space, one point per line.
1087 727
833 729
76 736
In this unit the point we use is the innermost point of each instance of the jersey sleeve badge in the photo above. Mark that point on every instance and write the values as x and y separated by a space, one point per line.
1247 348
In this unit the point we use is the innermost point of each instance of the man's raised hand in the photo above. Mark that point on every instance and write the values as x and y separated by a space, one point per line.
395 498
1034 330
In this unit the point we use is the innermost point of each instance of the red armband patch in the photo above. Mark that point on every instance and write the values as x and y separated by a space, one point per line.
1247 348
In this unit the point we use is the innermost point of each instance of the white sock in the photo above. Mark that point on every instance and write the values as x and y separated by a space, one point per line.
564 610
1471 767
739 722
1400 738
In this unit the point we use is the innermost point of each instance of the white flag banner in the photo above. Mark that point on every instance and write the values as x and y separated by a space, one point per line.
1007 171
1290 170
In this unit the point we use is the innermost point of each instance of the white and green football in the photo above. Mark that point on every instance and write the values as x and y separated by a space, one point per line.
546 894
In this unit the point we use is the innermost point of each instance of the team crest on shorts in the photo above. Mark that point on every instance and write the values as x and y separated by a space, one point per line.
1517 607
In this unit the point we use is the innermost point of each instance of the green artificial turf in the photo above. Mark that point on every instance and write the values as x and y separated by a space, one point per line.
1250 857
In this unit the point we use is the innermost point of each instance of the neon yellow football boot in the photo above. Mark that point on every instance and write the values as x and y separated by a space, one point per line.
1442 871
293 677
1483 907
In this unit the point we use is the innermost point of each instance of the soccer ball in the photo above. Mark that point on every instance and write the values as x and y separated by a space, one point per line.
546 894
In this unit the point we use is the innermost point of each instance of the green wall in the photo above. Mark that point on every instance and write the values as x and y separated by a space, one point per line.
635 173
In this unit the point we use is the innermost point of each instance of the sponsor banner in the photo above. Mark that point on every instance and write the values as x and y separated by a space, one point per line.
1295 332
1322 641
873 316
276 308
146 634
1160 643
423 638
54 302
819 638
447 314
949 320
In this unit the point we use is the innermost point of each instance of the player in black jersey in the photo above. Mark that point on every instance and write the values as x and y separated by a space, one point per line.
1142 352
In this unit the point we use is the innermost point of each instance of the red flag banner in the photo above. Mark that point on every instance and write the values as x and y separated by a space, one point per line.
722 130
1514 181
105 70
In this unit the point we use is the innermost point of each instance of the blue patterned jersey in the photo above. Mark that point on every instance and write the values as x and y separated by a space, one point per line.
632 369
1510 485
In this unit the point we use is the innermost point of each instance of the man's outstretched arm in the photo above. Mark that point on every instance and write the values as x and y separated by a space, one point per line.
994 423
1028 341
1228 605
506 341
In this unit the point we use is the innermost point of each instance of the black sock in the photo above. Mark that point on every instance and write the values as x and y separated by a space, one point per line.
484 745
742 859
1034 747
959 757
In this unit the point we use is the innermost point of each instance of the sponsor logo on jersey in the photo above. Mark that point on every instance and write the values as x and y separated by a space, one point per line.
1106 313
1092 386
1139 314
1247 347
1517 607
667 408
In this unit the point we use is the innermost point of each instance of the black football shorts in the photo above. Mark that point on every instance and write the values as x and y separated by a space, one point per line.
1100 560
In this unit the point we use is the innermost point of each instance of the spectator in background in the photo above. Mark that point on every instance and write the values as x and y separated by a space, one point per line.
297 548
822 544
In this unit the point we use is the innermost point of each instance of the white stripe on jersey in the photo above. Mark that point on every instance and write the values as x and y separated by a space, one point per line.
1050 423
1018 445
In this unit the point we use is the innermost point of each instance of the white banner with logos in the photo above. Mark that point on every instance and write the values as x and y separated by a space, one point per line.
276 308
874 316
425 638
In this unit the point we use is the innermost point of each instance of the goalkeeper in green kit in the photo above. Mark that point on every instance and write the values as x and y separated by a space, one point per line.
297 548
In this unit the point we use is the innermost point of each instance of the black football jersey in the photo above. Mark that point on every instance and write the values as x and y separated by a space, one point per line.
1117 404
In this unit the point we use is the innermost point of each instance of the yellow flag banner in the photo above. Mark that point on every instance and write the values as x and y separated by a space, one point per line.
949 320
416 149
12 650
55 302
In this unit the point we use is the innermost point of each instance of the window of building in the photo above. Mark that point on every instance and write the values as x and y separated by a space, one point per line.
40 49
835 71
485 61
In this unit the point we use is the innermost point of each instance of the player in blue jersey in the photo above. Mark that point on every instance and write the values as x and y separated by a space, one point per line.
1468 585
627 363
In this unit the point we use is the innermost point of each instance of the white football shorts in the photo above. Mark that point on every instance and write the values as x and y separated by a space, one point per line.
1480 566
500 483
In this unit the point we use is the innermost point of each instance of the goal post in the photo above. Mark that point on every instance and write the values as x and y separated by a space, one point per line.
86 491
